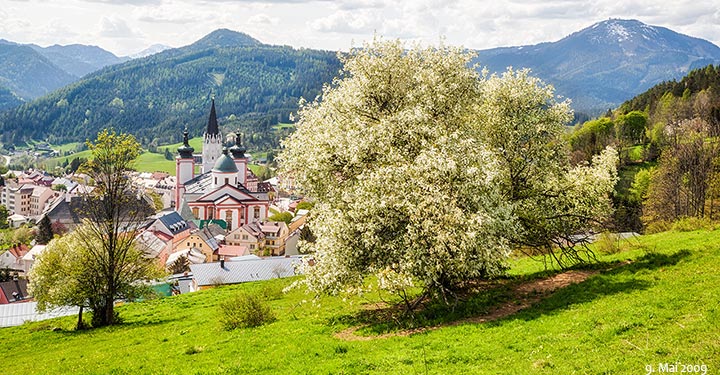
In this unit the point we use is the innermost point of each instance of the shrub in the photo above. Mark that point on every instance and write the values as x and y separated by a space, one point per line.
245 310
657 227
607 243
689 224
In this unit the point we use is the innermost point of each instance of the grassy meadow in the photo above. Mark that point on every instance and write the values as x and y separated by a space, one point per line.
654 302
147 161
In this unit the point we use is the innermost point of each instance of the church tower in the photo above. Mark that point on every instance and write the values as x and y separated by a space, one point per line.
238 155
184 168
212 142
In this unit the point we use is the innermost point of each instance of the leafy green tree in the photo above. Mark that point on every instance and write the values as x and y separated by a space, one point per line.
63 276
3 217
282 216
426 174
45 233
631 127
23 235
114 210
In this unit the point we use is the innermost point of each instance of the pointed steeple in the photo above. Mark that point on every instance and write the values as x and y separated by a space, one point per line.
212 127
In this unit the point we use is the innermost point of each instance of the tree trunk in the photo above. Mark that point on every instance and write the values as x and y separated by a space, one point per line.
80 324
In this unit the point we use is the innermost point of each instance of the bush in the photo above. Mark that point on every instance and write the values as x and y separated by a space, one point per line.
245 310
607 243
657 227
689 224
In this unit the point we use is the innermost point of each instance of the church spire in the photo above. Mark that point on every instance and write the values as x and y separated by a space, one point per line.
212 127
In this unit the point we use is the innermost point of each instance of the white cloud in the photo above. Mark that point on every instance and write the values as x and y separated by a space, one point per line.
263 19
348 22
113 27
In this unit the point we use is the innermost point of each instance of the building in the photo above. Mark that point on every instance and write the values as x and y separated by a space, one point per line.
16 197
225 190
202 240
262 238
13 257
244 269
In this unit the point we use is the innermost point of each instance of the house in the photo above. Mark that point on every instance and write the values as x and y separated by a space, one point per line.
13 291
226 189
250 236
16 197
12 258
70 210
194 256
17 220
28 260
155 244
201 239
171 223
39 198
229 251
267 237
276 232
251 268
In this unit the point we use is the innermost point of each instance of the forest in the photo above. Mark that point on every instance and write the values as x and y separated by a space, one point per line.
255 87
670 157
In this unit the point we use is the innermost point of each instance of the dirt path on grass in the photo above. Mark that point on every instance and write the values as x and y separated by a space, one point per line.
523 296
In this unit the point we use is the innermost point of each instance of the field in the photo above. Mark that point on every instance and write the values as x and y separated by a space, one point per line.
656 302
147 161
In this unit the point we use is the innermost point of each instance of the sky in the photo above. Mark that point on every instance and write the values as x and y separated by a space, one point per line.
125 27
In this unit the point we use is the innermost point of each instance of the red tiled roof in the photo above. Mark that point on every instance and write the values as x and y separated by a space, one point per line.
18 251
233 251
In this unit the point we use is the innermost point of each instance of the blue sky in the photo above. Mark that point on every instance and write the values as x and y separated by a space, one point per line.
127 26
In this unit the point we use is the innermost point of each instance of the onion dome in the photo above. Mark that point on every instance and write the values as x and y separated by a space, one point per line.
238 150
185 151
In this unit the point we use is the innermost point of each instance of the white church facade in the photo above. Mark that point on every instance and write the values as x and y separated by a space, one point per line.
225 189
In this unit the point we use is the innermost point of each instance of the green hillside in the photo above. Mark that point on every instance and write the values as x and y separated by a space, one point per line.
256 86
656 302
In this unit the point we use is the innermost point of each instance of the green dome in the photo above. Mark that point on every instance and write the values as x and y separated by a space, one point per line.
225 164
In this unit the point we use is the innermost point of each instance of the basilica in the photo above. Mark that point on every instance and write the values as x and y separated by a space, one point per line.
225 189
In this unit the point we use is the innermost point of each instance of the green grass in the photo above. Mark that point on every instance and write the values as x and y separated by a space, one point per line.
195 143
283 126
661 308
66 147
151 162
148 161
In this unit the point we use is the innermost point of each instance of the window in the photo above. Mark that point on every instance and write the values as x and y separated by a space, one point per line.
215 180
252 246
188 244
228 218
196 212
245 237
257 212
237 237
227 180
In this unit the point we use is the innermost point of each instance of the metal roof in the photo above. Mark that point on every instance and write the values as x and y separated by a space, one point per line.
245 271
15 314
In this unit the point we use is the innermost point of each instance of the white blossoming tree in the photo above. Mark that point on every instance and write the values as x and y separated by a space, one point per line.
552 202
407 157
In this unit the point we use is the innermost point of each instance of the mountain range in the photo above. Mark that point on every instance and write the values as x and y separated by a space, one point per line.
607 63
155 97
258 85
28 71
